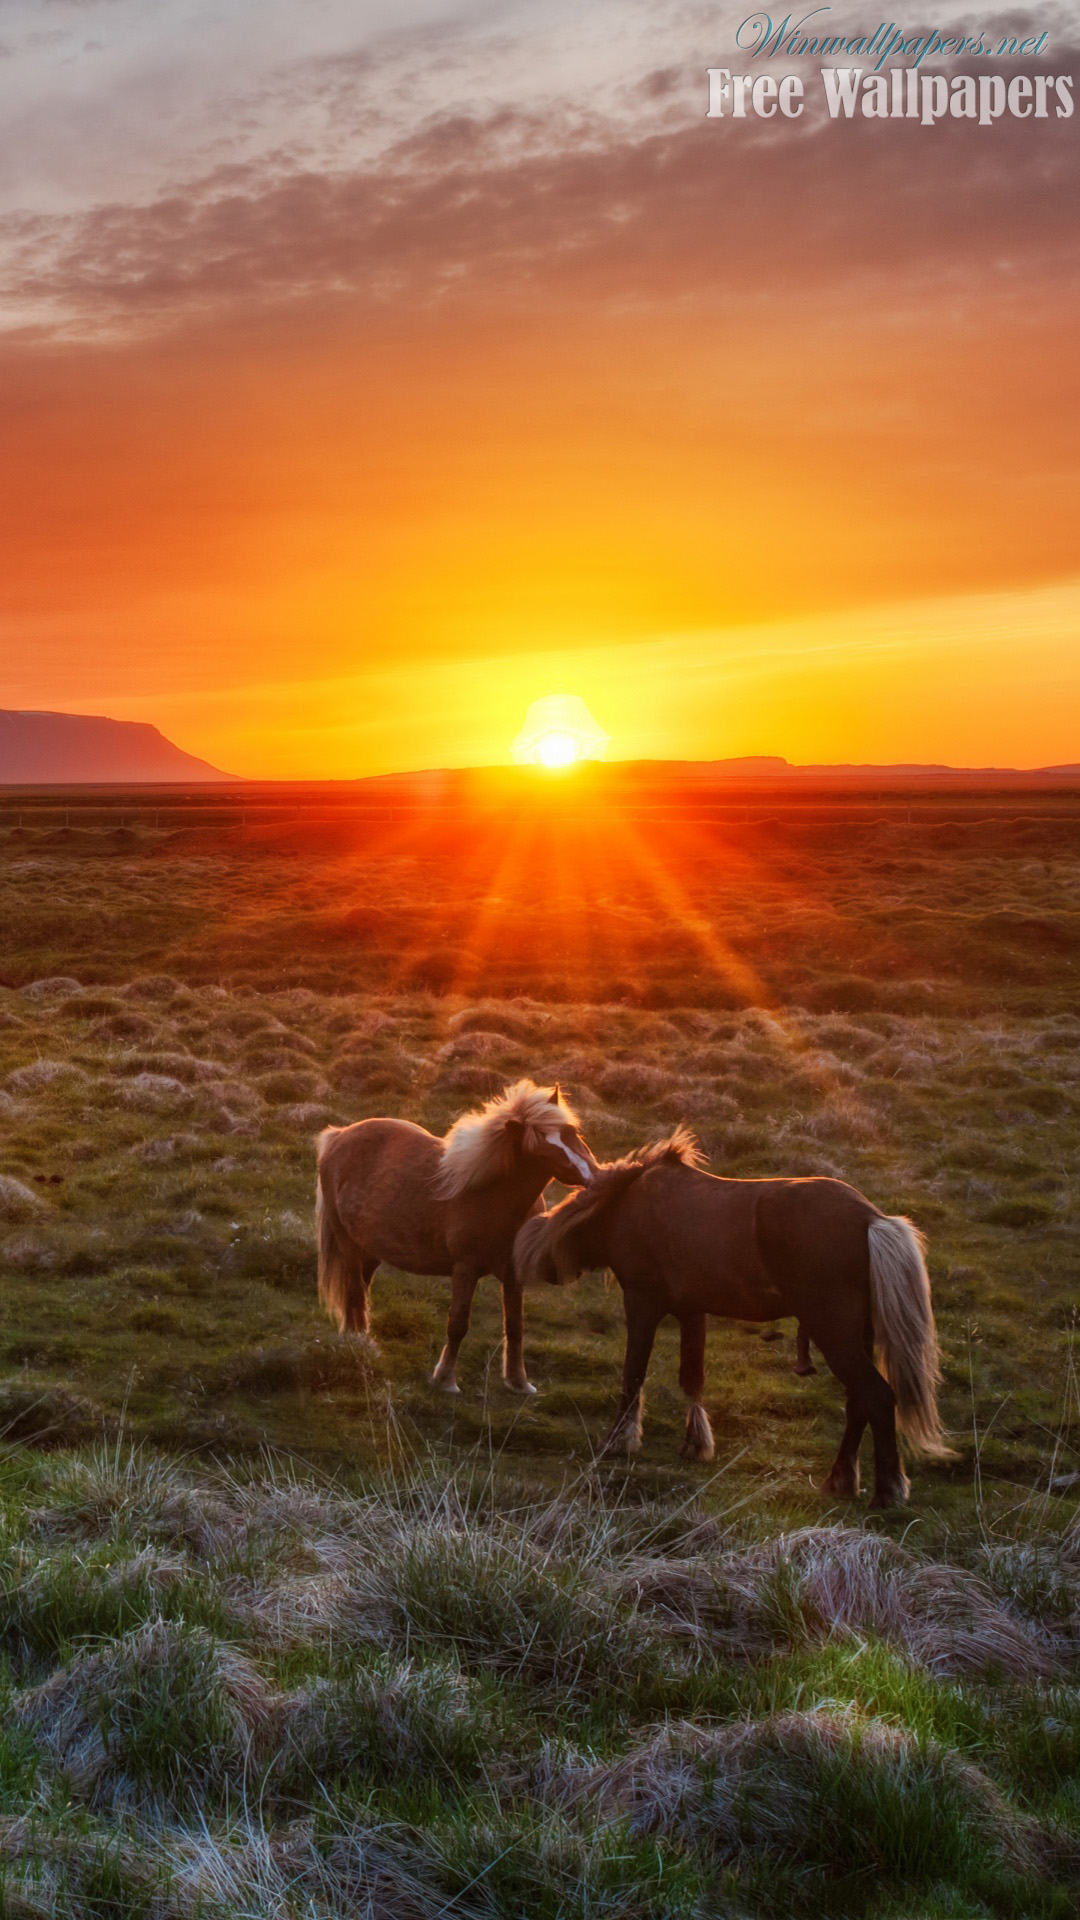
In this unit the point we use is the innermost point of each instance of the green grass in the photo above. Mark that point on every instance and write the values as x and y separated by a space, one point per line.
284 1632
161 1259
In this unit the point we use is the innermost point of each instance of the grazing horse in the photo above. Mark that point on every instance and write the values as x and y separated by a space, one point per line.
389 1190
681 1241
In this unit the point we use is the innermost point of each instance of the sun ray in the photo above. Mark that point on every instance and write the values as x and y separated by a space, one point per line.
736 973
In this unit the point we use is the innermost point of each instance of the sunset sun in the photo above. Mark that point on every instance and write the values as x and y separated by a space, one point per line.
557 750
559 730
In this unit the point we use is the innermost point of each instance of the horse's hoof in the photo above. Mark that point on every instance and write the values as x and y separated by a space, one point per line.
842 1486
519 1386
622 1440
896 1495
804 1371
698 1442
445 1386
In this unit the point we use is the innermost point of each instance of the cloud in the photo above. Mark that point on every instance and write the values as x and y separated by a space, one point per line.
527 206
164 159
120 100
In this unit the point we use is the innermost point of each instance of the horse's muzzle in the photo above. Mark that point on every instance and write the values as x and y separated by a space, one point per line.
581 1167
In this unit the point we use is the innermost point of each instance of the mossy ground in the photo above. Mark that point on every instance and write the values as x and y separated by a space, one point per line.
893 1004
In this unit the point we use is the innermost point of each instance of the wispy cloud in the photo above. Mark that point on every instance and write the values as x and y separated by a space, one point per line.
162 159
523 206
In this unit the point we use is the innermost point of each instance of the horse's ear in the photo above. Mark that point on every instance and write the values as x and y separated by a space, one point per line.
514 1132
556 1094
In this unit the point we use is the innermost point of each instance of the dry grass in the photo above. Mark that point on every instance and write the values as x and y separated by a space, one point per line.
411 1686
841 1583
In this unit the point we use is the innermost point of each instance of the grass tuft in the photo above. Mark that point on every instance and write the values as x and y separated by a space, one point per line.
165 1714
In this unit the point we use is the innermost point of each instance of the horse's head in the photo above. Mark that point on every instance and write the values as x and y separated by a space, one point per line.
527 1126
557 1247
534 1258
575 1237
556 1142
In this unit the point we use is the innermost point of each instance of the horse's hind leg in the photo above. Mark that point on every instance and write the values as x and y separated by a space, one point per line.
869 1399
803 1362
513 1364
642 1321
360 1304
891 1484
462 1287
699 1443
842 1478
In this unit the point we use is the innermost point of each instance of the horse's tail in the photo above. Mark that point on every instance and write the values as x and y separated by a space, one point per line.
335 1265
904 1330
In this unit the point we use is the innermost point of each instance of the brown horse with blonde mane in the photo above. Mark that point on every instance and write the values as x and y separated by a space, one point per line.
681 1241
389 1190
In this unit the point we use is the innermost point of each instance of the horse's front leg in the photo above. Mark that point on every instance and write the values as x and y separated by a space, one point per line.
513 1362
642 1320
699 1443
463 1284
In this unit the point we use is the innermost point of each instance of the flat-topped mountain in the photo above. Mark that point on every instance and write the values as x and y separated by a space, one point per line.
82 749
624 780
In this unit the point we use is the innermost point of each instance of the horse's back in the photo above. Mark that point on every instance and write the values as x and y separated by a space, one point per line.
738 1247
817 1215
370 1139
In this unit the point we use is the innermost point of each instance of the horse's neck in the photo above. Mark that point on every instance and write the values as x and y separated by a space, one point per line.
517 1193
525 1185
508 1200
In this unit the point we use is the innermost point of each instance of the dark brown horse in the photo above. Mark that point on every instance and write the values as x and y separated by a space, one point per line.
682 1242
389 1190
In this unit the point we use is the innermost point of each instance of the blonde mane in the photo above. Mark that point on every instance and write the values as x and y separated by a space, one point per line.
476 1150
682 1145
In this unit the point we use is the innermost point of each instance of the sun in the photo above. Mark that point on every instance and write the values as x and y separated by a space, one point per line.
559 731
557 749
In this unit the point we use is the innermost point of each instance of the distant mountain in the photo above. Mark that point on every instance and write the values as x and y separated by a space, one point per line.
918 770
79 749
756 772
773 768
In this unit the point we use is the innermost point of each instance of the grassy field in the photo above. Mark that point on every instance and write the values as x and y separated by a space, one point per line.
286 1632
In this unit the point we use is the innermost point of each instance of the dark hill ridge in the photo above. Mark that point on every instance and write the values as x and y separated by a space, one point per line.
619 780
40 749
773 766
79 749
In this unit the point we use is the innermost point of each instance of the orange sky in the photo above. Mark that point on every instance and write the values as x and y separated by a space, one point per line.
760 443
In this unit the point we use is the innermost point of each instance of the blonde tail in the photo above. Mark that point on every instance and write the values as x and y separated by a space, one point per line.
904 1330
335 1268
